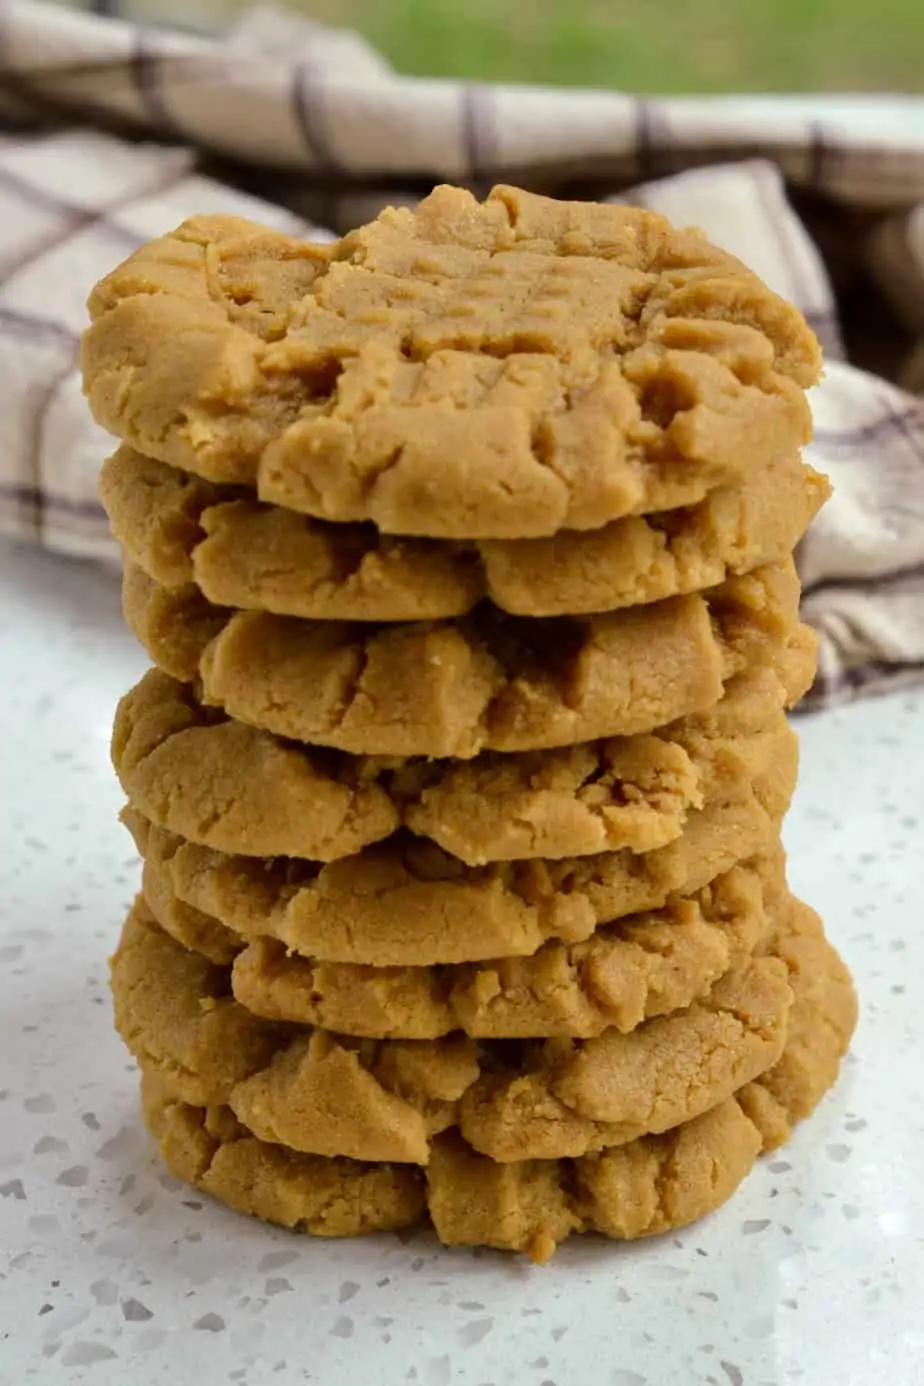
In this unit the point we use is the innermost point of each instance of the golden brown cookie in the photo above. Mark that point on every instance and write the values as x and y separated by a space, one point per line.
654 1184
658 1182
625 973
230 786
239 553
644 559
226 785
642 1188
486 682
571 1097
176 1014
464 370
326 1197
185 923
626 792
819 1030
649 1186
327 1094
642 966
407 903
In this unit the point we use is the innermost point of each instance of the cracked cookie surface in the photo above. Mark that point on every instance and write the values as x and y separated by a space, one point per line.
643 1188
406 902
625 973
322 1093
240 553
223 784
486 682
643 965
504 369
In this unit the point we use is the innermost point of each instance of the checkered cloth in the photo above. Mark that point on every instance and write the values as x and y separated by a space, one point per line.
111 133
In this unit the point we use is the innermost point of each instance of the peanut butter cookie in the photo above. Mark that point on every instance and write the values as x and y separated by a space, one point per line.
226 785
327 1094
643 1188
625 973
326 1197
488 681
496 370
407 903
240 553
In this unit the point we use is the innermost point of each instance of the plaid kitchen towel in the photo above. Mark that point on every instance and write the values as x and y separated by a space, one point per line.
111 133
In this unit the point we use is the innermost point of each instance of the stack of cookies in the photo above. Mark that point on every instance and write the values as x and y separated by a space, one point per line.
463 552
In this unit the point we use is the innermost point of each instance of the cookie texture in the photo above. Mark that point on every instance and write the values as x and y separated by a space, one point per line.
189 926
644 559
406 902
502 369
209 1148
243 554
625 973
240 553
227 785
177 1016
486 682
463 549
322 1093
642 1188
223 784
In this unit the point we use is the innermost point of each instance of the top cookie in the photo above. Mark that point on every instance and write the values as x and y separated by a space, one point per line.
502 370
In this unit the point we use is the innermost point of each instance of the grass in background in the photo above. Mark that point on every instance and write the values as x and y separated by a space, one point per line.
649 45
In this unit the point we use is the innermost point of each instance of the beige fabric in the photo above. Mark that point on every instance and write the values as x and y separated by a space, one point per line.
109 130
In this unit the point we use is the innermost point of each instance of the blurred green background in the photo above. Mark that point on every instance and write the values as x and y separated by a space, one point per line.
650 45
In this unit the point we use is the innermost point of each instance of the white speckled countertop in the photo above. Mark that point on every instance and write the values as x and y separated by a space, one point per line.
112 1273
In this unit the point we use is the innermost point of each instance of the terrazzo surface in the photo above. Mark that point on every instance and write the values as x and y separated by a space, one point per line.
111 1272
